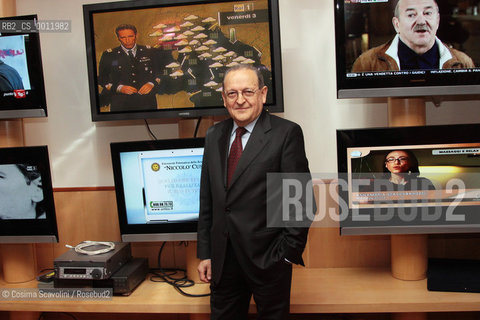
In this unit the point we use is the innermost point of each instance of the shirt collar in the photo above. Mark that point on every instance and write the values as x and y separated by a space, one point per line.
249 127
134 49
410 60
392 51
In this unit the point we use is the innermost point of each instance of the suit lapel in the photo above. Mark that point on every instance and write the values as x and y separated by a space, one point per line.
257 141
223 144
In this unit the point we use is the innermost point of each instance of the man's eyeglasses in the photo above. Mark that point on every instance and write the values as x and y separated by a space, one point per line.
399 159
246 93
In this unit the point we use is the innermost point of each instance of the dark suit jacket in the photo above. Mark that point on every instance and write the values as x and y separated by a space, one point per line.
9 78
238 212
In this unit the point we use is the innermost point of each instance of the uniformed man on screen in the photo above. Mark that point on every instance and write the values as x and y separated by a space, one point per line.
416 46
128 73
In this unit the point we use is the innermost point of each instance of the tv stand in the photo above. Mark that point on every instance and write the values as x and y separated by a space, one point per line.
186 128
404 112
408 252
18 260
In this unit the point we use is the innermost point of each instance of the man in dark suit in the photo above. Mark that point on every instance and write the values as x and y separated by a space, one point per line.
240 255
128 73
9 78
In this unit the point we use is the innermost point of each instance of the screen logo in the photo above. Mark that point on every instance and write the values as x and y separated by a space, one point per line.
242 7
19 93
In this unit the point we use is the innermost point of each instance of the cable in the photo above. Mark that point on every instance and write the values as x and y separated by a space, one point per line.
167 275
197 126
149 130
79 248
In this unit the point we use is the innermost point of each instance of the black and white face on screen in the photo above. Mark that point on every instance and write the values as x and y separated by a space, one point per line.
20 192
27 209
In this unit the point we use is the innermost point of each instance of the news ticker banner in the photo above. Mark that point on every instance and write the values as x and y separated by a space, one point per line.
369 74
51 294
434 198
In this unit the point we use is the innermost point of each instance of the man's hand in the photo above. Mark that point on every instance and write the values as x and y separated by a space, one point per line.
146 88
205 270
128 90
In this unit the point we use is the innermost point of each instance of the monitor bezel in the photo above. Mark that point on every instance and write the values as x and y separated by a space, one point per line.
36 106
411 85
31 230
89 10
391 136
184 231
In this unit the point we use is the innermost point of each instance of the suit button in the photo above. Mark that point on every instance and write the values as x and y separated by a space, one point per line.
227 210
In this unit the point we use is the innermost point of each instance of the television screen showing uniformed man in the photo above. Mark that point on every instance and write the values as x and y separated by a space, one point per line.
176 56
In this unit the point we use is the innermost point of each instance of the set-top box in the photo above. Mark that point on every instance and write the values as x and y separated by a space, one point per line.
73 265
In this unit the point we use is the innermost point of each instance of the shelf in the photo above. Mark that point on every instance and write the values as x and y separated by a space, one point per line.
326 290
370 290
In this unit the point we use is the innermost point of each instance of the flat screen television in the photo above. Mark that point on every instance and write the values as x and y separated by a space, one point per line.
27 209
180 50
409 179
22 90
361 25
157 184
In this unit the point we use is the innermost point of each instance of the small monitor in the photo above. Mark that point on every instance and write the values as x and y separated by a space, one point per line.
22 89
409 179
27 210
157 184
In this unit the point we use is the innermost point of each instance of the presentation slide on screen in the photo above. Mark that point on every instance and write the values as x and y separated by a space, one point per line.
421 175
172 187
162 186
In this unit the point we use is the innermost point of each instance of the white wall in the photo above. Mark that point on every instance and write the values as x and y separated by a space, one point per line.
79 148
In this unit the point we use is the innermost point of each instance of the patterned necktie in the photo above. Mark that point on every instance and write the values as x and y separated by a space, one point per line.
235 153
130 55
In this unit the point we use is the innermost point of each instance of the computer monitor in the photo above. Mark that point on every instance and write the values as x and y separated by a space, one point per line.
157 184
27 209
409 179
22 89
182 50
369 62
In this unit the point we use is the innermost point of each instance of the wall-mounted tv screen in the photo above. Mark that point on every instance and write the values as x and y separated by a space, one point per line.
409 179
22 90
27 209
152 59
406 48
157 184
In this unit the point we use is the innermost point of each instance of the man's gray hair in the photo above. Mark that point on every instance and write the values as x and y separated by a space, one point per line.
261 82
